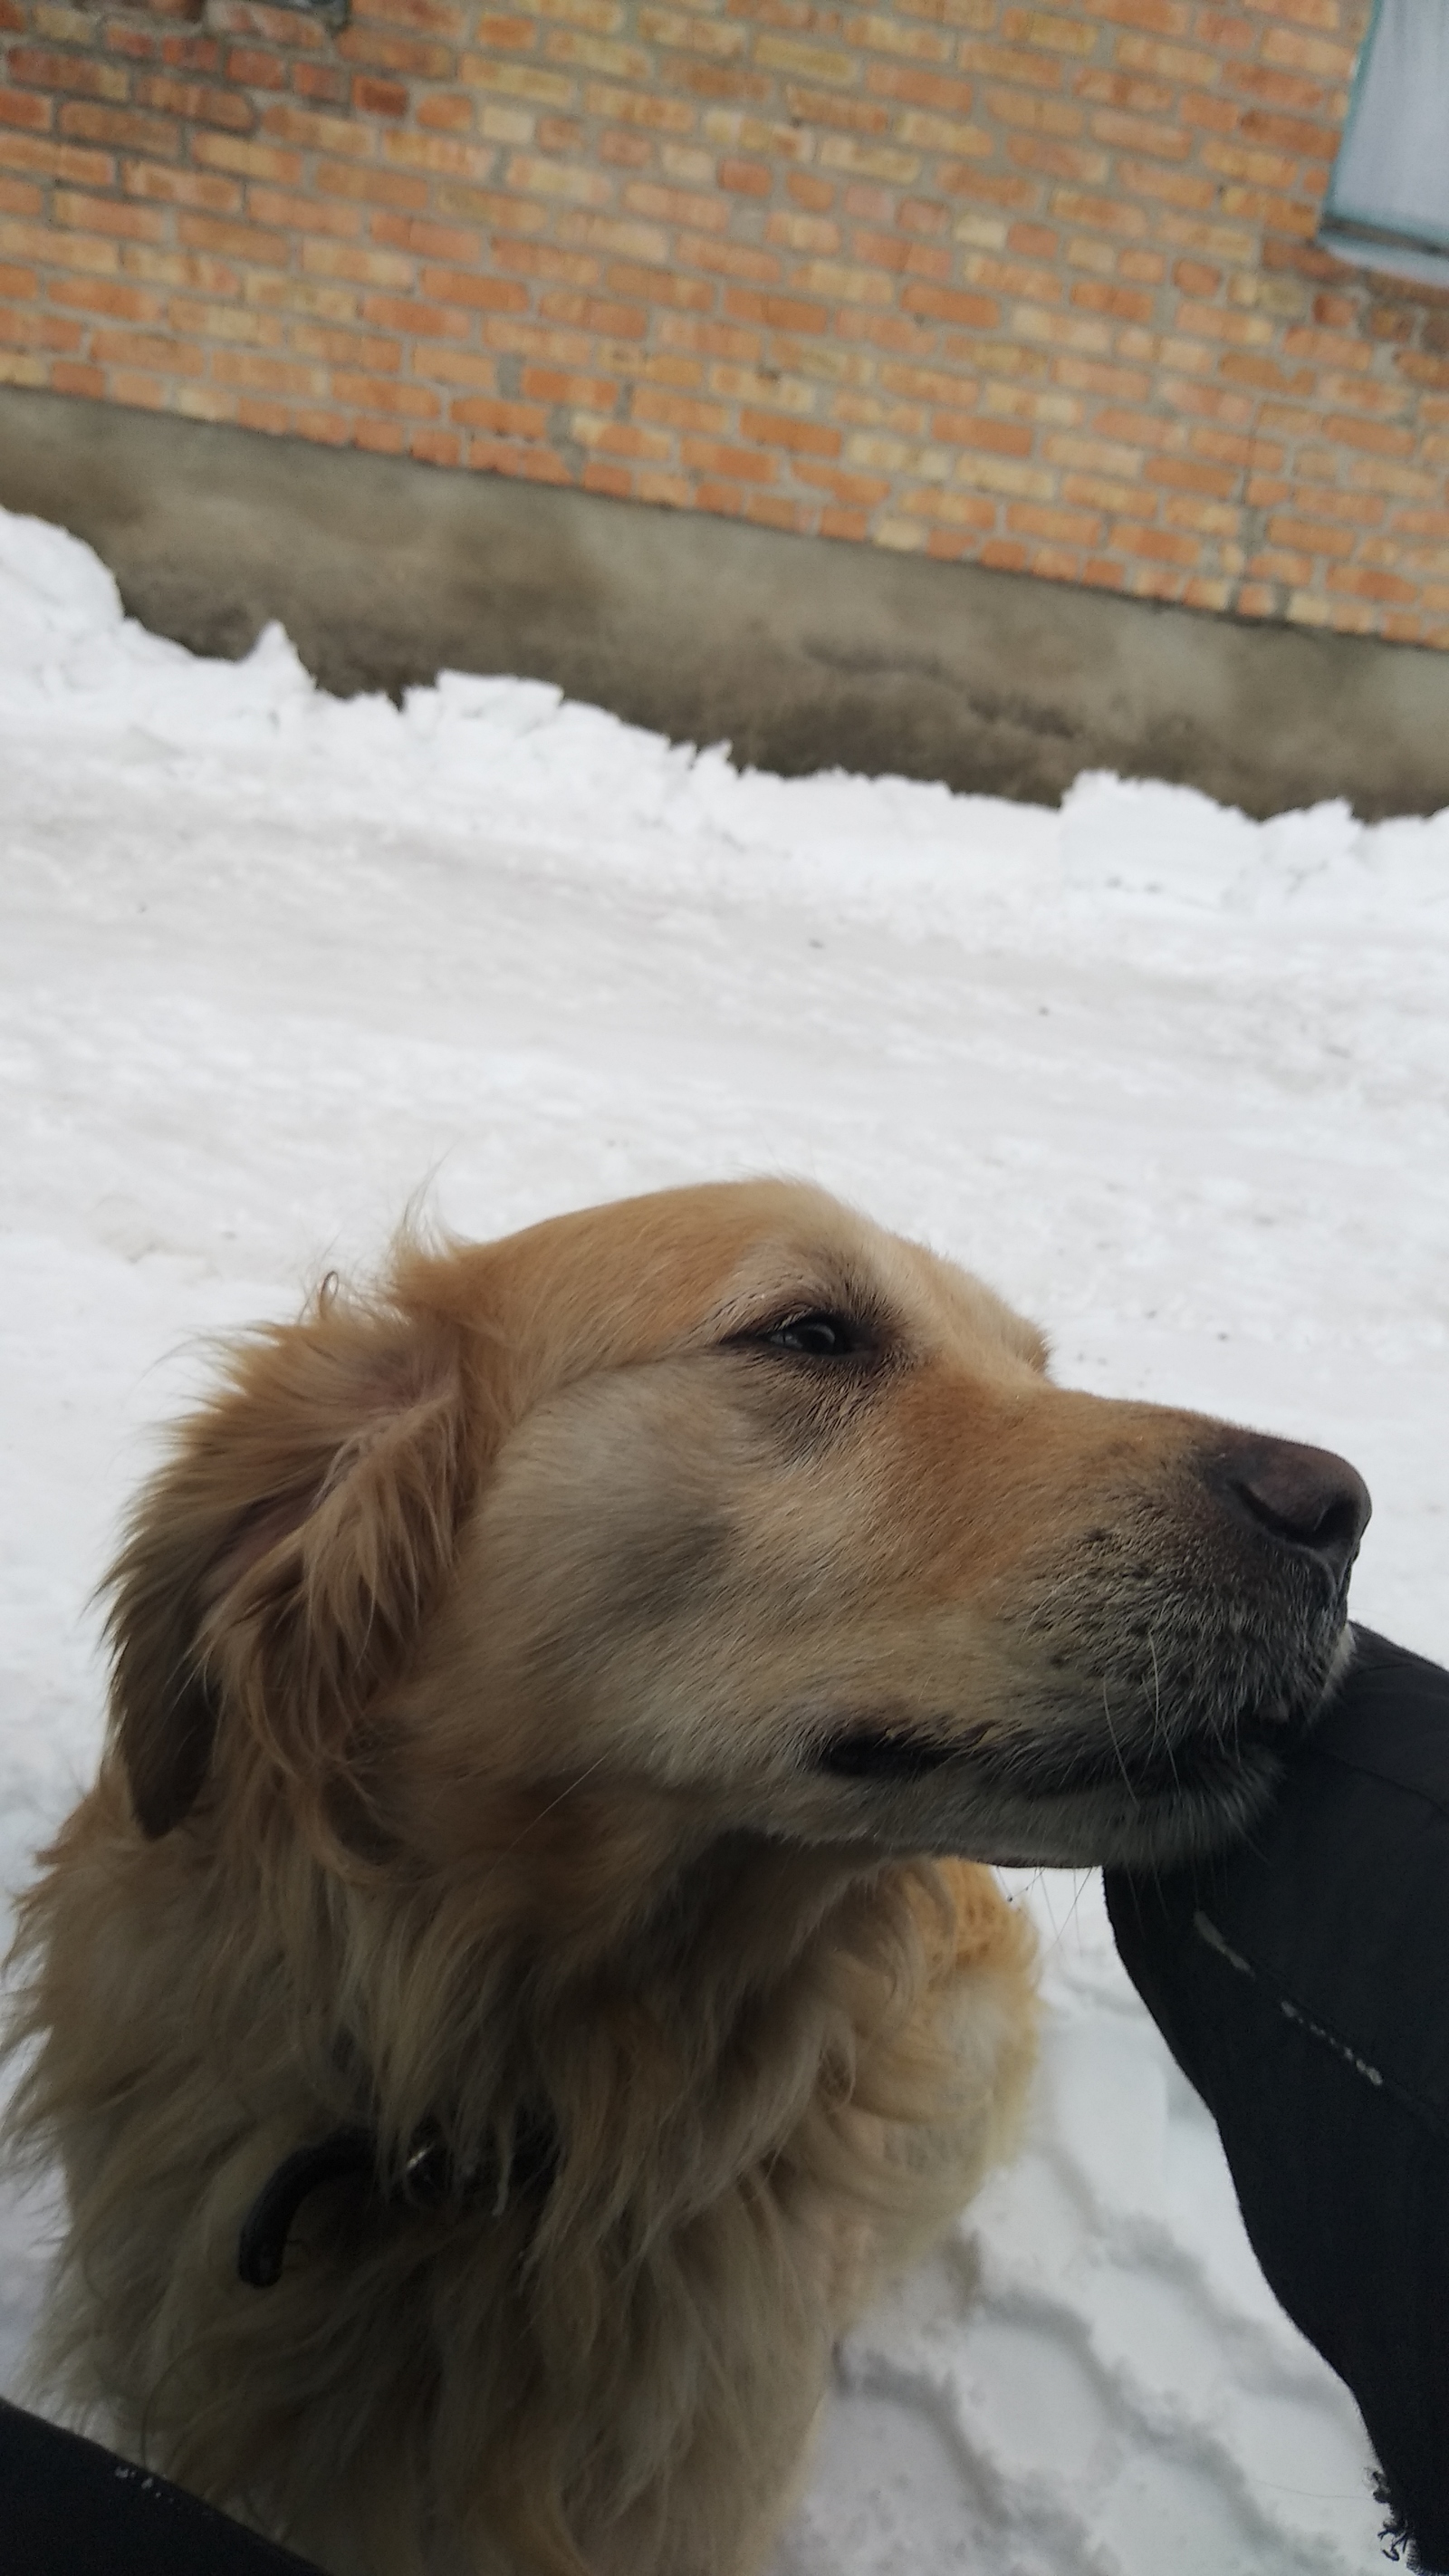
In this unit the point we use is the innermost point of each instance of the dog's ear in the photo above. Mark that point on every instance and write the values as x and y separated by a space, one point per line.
277 1570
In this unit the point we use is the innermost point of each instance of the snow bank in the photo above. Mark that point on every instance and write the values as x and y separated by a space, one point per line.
1175 1080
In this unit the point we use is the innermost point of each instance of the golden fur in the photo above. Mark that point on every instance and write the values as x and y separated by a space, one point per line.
559 1688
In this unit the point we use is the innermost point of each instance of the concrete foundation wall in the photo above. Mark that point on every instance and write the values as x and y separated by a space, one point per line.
802 652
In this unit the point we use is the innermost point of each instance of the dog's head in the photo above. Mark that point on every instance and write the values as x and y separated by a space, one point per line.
731 1505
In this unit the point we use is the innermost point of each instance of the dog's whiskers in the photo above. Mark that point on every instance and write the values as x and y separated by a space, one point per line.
1161 1734
1116 1747
566 1791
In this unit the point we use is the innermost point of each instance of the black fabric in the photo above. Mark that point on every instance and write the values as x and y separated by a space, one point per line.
68 2508
1302 1984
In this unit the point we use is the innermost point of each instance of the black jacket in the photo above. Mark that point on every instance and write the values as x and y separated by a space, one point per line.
1302 1984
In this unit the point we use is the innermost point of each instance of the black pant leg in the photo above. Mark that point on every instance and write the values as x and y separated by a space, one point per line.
69 2508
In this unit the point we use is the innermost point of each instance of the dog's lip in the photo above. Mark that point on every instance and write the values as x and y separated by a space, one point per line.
895 1756
885 1752
1159 1774
1041 1767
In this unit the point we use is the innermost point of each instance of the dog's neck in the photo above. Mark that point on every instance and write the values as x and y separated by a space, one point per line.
429 2180
622 2043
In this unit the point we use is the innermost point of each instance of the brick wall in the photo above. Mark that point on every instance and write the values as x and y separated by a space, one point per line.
1032 286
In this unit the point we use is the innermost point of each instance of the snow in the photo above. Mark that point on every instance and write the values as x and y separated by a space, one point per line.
1173 1080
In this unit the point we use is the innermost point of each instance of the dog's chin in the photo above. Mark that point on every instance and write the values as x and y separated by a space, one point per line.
1138 1822
1144 1816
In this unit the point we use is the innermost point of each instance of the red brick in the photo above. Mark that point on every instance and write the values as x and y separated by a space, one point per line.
254 69
741 464
111 296
1144 97
1313 54
614 480
647 109
381 393
436 17
817 195
77 74
799 437
1167 186
464 369
287 213
247 242
66 378
913 88
1004 556
414 318
713 339
1098 213
433 241
27 109
324 82
507 419
672 411
1158 545
310 131
1181 474
368 186
105 215
483 294
245 159
629 151
21 329
162 354
1070 527
866 490
197 102
413 57
670 295
554 385
1315 140
776 312
594 313
159 137
624 438
948 304
1374 437
1152 135
1361 583
1129 304
195 188
379 97
730 259
1033 67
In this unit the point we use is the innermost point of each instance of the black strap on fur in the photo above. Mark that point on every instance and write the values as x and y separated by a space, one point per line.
428 2181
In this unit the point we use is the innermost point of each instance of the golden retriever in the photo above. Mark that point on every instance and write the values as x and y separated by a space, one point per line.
525 1969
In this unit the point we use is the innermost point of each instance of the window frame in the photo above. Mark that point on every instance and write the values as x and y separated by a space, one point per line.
1362 239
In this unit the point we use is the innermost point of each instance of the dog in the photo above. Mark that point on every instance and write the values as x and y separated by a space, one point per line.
528 1966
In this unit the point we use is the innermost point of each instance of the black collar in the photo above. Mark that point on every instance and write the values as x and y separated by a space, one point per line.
429 2180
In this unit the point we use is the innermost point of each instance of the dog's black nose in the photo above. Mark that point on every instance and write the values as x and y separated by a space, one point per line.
1306 1499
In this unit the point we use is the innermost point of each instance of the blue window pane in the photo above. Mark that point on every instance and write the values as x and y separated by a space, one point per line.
1388 200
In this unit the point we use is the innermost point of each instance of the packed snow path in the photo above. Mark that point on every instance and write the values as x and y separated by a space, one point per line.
1173 1081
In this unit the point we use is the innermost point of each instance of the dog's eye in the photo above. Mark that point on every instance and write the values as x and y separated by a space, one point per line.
817 1337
